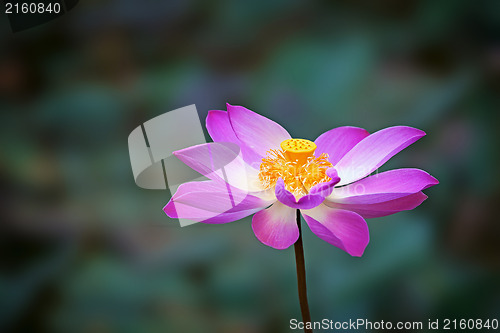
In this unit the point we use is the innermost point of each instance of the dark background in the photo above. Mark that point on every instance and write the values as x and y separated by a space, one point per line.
83 249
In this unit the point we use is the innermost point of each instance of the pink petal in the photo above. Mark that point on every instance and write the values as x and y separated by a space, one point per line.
216 197
341 228
276 226
255 131
221 162
220 130
219 127
338 141
315 197
384 186
212 202
373 151
183 211
380 209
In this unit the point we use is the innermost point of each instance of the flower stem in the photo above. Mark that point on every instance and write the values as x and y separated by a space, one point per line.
301 277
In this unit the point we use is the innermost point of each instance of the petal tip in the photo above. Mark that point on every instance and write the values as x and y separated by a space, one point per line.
357 255
415 131
278 247
418 132
213 113
360 248
333 174
169 209
432 182
280 182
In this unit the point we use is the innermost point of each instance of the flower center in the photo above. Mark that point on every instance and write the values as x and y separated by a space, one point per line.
296 165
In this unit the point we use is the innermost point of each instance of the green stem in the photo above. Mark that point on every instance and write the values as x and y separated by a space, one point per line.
301 277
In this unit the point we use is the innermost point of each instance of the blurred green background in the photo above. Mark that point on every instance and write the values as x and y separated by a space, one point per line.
83 249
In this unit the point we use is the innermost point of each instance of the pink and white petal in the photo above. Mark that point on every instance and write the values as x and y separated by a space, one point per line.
374 150
383 187
326 188
214 197
338 141
308 201
315 197
201 186
220 129
276 226
283 195
221 161
255 131
219 186
342 228
368 211
183 211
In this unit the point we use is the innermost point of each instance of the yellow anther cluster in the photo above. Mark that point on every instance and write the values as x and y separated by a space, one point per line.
296 165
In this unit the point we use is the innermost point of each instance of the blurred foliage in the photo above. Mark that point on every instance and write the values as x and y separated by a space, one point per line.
84 250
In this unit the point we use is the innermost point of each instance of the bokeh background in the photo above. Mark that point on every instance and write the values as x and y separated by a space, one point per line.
83 249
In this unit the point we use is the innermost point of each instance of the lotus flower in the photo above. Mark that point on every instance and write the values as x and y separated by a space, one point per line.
255 167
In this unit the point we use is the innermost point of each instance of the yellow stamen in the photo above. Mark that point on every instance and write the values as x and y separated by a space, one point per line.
296 165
